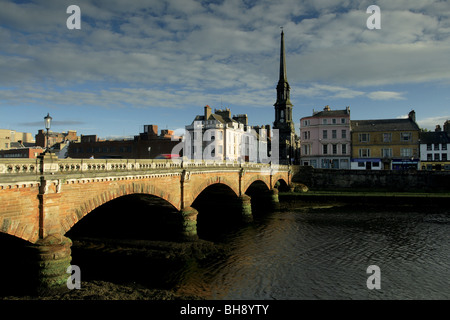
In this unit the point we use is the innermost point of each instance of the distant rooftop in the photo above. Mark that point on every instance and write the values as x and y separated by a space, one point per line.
384 125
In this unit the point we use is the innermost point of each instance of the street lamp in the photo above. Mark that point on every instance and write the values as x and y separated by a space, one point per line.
48 122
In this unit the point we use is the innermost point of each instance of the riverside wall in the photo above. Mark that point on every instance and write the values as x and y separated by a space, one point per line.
367 180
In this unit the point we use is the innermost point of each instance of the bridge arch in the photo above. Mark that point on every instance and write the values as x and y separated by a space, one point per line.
218 208
196 191
255 178
136 216
280 181
86 206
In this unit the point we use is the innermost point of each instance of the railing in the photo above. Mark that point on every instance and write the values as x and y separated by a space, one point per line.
17 166
34 166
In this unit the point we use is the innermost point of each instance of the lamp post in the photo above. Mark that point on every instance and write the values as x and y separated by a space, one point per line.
47 122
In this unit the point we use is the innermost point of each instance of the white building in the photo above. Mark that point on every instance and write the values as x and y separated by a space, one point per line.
218 136
435 150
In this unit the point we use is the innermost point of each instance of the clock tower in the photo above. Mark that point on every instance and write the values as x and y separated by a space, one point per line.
283 113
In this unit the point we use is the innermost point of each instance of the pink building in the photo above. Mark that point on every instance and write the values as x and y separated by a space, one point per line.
325 139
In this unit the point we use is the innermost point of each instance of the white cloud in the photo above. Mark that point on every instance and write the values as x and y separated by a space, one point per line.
176 53
431 122
386 95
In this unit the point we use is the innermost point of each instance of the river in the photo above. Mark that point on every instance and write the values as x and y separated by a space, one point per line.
302 252
324 254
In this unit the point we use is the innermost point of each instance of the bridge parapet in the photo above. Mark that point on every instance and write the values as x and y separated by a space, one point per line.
19 166
67 166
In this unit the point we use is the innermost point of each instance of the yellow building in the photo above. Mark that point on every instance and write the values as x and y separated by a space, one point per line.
388 144
8 136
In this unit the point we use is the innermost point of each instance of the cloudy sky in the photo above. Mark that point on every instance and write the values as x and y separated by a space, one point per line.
160 62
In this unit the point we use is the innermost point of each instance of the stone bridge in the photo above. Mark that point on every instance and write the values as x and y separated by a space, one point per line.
42 199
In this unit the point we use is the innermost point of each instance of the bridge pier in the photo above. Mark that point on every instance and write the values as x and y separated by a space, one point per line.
53 257
245 207
189 224
274 201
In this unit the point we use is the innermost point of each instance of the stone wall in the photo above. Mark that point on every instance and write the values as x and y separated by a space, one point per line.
328 179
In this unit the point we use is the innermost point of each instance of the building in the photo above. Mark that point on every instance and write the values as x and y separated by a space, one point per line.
55 138
222 137
23 153
325 139
283 114
385 144
9 137
146 145
435 149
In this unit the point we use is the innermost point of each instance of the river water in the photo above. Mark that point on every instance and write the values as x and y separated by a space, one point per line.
324 254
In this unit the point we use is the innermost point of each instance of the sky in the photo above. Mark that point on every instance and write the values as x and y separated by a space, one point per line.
160 62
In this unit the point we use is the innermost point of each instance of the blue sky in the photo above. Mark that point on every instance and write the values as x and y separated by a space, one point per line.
160 62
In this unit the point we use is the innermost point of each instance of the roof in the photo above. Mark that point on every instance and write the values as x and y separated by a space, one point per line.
331 113
217 117
434 137
384 125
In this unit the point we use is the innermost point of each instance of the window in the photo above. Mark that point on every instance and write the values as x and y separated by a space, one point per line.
386 153
334 148
325 121
325 134
361 165
444 157
405 136
375 164
405 152
333 121
325 149
429 147
344 149
306 123
364 153
429 157
436 157
344 134
364 137
444 146
387 137
334 134
306 135
306 149
436 146
343 121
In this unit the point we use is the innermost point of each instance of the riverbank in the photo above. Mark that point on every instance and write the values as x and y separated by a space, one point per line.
128 260
366 199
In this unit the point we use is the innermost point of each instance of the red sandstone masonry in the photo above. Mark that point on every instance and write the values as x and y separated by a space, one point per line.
65 205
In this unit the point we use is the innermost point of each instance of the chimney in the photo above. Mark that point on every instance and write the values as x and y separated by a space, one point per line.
438 128
225 113
412 115
241 118
207 112
447 126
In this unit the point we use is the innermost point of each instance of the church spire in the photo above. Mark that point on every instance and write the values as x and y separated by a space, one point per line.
283 112
283 77
283 89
